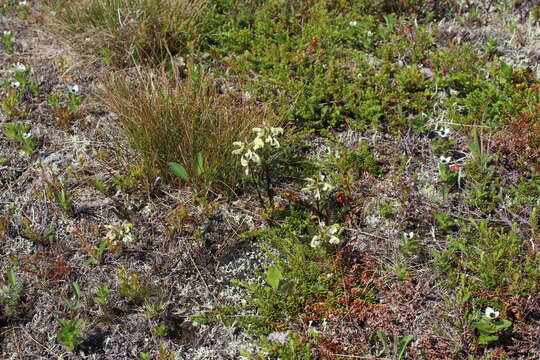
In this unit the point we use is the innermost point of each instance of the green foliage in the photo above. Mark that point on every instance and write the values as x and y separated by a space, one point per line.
298 276
131 286
70 331
10 295
21 134
8 41
103 293
492 258
296 348
488 327
399 346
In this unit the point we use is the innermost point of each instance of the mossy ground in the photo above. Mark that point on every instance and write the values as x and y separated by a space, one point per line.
422 117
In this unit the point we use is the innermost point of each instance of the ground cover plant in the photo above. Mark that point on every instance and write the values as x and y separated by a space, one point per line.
323 179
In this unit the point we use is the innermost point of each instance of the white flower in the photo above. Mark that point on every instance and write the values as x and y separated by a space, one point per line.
443 132
258 143
244 161
353 23
316 241
23 3
491 313
444 160
276 131
334 240
27 135
15 84
240 146
317 185
7 33
20 67
74 89
272 141
408 235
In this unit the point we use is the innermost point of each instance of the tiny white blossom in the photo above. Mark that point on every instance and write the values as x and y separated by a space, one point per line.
443 132
15 84
7 33
240 146
74 89
444 160
334 240
491 313
316 241
258 143
276 131
244 161
408 235
27 135
353 23
23 3
20 67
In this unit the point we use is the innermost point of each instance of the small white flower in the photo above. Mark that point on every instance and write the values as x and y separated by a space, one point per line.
240 146
7 33
20 67
353 23
244 161
334 240
444 160
74 89
443 132
27 135
23 3
15 84
326 187
276 131
258 143
247 96
316 241
409 235
491 313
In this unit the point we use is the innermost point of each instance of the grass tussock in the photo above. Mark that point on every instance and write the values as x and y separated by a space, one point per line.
125 32
171 120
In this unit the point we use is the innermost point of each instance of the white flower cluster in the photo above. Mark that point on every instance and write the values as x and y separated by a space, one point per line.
265 136
19 68
317 185
116 233
327 233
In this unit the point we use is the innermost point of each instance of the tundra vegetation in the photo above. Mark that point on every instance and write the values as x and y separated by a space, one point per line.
272 179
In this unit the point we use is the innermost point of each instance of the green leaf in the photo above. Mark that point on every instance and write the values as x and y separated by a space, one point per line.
287 287
12 279
403 345
179 171
486 339
383 339
274 276
502 324
199 164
